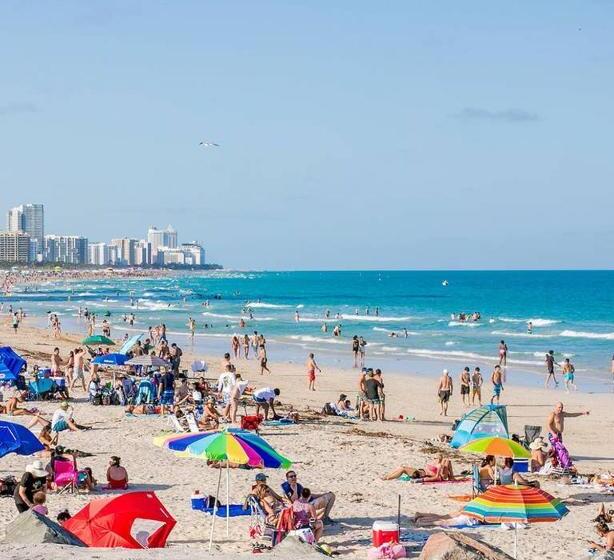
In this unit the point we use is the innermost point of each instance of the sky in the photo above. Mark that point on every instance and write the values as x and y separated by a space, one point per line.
353 134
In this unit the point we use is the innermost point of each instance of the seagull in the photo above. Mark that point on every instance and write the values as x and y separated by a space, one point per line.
208 144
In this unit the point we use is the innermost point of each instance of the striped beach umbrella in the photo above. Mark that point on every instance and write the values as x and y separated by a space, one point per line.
230 445
497 446
515 504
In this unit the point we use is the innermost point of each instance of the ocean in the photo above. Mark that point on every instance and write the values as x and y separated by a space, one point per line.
572 313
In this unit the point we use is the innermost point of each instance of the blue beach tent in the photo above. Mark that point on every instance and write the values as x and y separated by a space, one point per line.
486 421
114 359
10 364
15 438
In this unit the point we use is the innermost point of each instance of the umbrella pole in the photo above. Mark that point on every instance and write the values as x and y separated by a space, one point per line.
227 498
217 495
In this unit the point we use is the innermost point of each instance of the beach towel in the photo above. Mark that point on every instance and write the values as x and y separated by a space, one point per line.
235 510
560 451
280 422
407 478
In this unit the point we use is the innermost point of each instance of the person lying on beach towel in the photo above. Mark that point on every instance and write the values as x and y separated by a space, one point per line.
439 471
455 519
607 534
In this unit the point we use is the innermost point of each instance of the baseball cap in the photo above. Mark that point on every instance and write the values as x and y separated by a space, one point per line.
261 477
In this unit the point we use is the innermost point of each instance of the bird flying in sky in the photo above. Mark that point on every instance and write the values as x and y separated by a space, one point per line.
207 144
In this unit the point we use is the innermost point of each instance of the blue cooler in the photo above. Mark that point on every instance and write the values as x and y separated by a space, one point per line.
521 465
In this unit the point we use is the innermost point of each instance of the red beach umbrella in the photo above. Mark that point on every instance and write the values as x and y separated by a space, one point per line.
131 520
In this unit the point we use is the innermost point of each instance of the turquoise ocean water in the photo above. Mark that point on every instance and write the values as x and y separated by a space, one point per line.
572 313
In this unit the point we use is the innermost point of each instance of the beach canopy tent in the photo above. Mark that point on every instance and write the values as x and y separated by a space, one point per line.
10 364
131 520
485 421
15 438
30 527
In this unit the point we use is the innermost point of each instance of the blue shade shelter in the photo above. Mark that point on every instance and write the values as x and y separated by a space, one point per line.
486 421
15 438
114 359
10 364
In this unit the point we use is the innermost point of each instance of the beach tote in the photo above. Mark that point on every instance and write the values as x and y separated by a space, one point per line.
561 452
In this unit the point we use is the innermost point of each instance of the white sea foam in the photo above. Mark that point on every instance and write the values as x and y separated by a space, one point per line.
391 348
373 318
463 324
587 334
451 343
308 338
536 322
222 316
521 334
459 355
262 305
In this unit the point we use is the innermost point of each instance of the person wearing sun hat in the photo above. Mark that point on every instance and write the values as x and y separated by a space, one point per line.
33 480
539 453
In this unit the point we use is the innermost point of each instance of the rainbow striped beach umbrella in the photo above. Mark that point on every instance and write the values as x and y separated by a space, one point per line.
497 446
230 445
515 504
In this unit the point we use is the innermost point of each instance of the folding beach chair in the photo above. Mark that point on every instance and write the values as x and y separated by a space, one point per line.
65 476
475 481
192 425
531 433
174 421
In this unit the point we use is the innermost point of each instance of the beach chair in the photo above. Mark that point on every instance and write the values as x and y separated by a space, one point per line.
259 527
192 425
174 422
531 433
66 476
476 486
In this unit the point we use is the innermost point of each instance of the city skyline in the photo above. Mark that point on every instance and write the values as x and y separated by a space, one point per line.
25 241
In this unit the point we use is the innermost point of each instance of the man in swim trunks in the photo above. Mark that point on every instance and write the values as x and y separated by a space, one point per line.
556 420
550 363
166 393
465 386
497 384
569 375
476 381
311 372
444 391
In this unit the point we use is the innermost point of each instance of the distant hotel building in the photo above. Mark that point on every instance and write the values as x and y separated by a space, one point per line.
189 254
14 247
67 249
30 219
161 238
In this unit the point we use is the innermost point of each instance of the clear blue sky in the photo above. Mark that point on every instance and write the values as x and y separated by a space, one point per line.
353 134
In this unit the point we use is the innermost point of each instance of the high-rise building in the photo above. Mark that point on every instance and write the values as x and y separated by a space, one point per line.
142 253
14 247
29 218
126 251
99 254
161 238
194 254
68 249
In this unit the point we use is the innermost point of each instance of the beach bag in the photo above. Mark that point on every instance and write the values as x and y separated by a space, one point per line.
7 485
97 399
387 551
561 452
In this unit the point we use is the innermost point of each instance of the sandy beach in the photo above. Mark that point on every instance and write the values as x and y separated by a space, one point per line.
347 457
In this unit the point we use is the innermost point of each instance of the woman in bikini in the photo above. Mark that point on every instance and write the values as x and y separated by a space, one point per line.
438 472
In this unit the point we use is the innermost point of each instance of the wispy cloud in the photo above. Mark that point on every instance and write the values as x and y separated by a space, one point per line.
17 108
505 115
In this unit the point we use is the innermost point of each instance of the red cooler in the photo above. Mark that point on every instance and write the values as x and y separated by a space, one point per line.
385 532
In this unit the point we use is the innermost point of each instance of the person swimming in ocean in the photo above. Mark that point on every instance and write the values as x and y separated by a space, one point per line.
530 327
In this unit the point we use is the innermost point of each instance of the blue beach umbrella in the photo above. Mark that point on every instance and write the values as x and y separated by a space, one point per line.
15 438
110 359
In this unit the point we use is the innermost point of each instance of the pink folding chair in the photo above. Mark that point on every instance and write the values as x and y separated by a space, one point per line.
66 476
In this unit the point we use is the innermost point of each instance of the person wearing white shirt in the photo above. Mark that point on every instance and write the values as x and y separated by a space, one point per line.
265 398
62 419
226 382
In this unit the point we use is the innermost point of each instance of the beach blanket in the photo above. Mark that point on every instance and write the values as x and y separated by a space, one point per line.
406 478
281 422
236 510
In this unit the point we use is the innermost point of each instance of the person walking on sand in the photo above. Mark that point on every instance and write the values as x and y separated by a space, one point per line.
465 386
569 375
556 420
312 366
444 392
191 327
550 363
355 349
497 384
476 381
